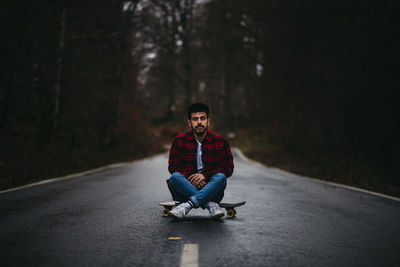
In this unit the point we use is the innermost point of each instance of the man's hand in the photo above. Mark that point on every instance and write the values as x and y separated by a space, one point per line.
198 180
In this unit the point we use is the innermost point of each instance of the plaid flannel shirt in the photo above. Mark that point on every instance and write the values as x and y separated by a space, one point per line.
216 155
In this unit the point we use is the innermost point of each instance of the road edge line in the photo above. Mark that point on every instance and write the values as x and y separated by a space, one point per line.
238 152
78 174
349 187
68 176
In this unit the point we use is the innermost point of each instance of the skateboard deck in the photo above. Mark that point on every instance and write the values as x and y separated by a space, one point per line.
229 207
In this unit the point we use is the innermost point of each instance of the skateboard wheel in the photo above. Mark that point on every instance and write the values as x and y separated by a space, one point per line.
234 212
165 213
230 213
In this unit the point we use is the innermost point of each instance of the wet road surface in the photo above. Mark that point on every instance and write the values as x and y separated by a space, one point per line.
112 218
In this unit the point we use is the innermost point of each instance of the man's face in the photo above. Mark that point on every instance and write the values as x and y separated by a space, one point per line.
199 122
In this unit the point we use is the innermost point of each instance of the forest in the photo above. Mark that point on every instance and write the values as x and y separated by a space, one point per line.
306 86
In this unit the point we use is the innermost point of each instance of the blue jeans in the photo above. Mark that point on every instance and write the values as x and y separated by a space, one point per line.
182 190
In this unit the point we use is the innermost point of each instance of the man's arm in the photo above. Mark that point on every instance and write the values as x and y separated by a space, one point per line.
175 156
225 166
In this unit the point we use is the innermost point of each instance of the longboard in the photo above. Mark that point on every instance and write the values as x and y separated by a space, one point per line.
168 206
229 207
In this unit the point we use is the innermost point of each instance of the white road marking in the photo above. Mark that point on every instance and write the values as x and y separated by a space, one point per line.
240 155
74 175
237 152
190 255
336 184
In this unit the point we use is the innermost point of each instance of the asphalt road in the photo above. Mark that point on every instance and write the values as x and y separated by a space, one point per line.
112 218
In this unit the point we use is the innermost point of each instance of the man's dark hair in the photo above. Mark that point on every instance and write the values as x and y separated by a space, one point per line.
197 107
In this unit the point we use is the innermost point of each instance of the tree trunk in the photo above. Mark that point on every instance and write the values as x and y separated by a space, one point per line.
6 102
59 70
51 110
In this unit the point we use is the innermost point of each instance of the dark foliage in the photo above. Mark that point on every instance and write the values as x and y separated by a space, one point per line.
313 82
316 79
67 83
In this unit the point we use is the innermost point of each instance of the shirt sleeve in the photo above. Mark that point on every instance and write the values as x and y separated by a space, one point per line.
225 166
175 163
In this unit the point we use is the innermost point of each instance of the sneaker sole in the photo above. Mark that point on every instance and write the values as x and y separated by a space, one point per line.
174 216
217 216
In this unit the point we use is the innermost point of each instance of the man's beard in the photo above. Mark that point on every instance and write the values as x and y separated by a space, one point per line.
200 132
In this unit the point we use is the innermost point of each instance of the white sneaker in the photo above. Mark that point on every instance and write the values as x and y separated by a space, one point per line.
215 210
180 211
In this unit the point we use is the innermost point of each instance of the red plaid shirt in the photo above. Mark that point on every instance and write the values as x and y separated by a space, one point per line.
216 155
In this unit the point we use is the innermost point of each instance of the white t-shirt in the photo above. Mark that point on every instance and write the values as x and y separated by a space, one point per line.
199 160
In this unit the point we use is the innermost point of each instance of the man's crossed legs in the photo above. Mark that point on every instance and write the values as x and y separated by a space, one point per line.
207 197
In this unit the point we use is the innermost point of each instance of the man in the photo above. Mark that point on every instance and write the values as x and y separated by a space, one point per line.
200 163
